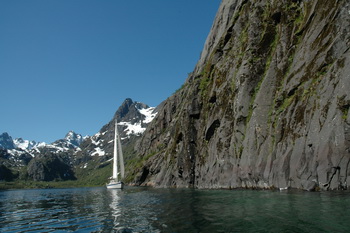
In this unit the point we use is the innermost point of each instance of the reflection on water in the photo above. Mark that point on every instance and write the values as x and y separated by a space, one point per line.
115 206
172 210
133 210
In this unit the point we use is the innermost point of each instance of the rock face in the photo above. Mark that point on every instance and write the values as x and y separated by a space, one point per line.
49 167
6 141
266 106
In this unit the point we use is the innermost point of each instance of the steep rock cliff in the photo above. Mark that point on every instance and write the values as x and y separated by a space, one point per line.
266 106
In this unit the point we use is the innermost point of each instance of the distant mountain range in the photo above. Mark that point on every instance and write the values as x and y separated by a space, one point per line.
60 159
72 140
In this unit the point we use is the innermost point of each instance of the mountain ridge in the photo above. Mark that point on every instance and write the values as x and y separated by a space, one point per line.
74 157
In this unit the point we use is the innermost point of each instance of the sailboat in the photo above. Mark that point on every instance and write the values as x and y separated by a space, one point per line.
114 183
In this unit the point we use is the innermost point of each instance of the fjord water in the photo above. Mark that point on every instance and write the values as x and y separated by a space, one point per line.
172 210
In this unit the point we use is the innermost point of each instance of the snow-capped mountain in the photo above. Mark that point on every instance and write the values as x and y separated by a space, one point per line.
132 117
74 151
6 142
18 148
72 140
27 144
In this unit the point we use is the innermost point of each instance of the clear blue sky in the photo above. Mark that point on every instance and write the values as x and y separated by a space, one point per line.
69 64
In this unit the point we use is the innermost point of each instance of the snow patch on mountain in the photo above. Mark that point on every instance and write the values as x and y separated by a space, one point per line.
98 151
139 127
132 129
17 153
27 144
96 139
149 114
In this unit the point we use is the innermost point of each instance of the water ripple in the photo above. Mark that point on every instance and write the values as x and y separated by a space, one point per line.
172 210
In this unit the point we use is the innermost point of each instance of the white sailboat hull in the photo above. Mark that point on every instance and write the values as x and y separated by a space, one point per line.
115 185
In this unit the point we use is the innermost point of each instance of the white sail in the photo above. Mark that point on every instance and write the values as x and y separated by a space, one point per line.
121 160
115 153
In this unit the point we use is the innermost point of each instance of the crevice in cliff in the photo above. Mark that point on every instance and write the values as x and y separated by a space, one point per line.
144 174
342 185
195 109
346 174
211 130
192 152
335 170
179 138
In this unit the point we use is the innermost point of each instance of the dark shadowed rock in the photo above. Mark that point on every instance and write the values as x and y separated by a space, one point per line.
5 173
49 167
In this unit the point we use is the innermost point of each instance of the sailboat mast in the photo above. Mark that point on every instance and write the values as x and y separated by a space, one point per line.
115 152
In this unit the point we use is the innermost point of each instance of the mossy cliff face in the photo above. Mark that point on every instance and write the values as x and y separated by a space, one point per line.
266 106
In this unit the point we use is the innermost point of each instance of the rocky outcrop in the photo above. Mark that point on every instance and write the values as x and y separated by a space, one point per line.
6 174
15 159
6 141
49 167
266 106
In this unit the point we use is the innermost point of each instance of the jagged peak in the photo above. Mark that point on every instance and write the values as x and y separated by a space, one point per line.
5 134
25 144
6 141
72 135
